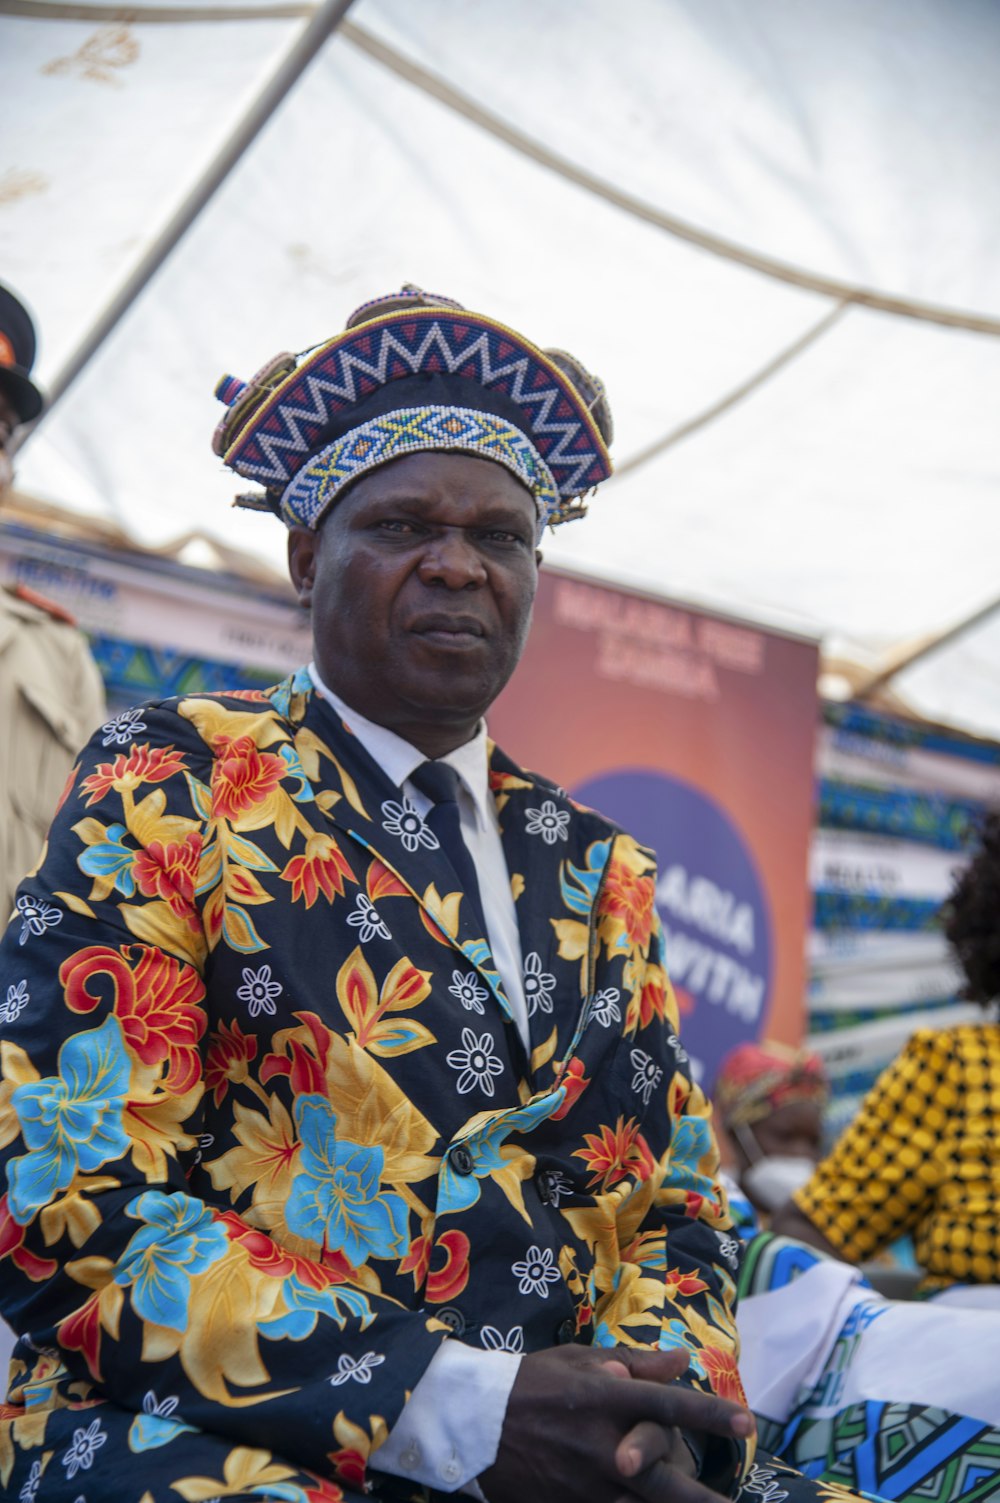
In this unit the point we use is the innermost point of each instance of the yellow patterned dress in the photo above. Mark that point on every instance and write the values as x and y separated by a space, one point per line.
922 1156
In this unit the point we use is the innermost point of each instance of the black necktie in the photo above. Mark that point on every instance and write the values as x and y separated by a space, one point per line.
439 782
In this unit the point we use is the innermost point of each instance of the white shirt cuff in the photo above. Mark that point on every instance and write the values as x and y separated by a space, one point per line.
449 1431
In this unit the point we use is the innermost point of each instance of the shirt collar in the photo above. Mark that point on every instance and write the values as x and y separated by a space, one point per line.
398 759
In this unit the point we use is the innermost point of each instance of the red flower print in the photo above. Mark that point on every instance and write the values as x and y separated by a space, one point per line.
306 1069
156 1000
81 1332
328 1492
723 1374
652 1001
350 1466
683 1283
242 776
417 1260
322 869
447 1282
170 871
615 1153
629 898
230 1051
383 883
12 1246
143 764
575 1082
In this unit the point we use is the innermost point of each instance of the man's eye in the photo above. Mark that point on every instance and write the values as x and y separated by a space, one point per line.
394 524
499 535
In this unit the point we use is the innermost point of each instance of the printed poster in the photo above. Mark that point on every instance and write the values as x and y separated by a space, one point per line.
697 734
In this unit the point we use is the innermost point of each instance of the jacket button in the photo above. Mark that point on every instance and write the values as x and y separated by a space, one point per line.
566 1331
452 1318
461 1159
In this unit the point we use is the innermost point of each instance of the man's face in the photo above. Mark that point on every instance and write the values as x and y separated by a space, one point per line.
421 582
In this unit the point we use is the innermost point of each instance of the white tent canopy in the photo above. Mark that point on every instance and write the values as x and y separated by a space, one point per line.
772 229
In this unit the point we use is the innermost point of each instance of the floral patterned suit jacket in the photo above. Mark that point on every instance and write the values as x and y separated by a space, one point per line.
269 1131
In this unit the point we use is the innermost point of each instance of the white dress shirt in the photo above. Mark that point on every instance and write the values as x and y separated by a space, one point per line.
449 1431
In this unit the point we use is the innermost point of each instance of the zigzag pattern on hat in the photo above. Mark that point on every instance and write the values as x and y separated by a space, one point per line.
409 431
282 434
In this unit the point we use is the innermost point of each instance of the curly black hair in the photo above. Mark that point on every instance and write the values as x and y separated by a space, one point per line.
972 916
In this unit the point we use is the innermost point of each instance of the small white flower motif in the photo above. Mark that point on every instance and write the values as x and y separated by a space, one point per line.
162 1407
36 917
496 1341
729 1250
30 1488
477 1063
18 998
366 920
548 822
467 990
678 1048
537 985
761 1484
120 730
404 821
558 1186
85 1445
205 1141
604 1007
360 1371
535 1272
259 991
647 1074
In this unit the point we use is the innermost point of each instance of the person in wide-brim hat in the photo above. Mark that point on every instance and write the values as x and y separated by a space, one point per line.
17 355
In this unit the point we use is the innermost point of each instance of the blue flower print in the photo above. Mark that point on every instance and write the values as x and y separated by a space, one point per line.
70 1122
111 858
691 1141
180 1238
153 1426
305 1303
457 1192
336 1195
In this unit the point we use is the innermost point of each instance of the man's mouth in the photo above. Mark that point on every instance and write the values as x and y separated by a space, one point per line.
449 629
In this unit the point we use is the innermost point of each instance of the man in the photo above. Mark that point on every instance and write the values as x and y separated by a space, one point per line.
349 1142
51 695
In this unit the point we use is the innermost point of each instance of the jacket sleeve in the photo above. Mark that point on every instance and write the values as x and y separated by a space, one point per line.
106 1252
675 1283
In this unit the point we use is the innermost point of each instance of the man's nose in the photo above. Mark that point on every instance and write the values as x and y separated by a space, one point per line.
452 559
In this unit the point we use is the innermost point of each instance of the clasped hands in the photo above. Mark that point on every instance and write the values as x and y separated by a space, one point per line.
604 1425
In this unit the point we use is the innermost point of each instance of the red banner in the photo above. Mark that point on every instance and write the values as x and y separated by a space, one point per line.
696 733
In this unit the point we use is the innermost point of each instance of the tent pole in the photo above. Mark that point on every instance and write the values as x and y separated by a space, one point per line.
907 656
320 27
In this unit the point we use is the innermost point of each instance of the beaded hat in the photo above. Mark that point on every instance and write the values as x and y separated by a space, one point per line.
414 371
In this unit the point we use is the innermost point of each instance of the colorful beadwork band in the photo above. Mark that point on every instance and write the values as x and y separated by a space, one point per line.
411 430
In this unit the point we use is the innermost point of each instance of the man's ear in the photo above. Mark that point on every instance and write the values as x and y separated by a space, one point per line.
302 545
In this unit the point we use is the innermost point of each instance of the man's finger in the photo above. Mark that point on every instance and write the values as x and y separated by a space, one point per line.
674 1404
663 1481
644 1444
655 1367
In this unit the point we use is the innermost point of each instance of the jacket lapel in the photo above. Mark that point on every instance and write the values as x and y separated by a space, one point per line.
557 854
359 799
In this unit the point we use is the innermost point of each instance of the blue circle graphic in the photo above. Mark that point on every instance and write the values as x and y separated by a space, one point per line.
711 901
